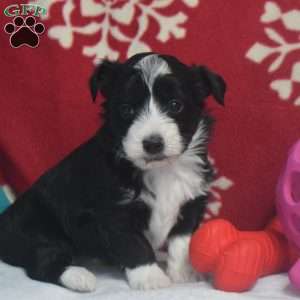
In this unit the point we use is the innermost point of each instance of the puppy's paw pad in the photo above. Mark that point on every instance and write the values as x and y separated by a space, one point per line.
147 277
78 279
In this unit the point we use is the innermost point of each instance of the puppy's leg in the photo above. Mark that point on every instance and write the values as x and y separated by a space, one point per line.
52 264
30 238
134 253
179 268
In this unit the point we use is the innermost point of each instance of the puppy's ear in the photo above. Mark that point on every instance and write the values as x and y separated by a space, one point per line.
103 78
208 83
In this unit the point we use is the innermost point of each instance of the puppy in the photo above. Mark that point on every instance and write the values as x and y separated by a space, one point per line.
139 184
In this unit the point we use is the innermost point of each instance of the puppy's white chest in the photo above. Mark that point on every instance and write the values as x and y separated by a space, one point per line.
169 188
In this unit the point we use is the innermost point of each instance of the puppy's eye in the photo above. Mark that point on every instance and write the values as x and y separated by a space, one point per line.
126 111
175 106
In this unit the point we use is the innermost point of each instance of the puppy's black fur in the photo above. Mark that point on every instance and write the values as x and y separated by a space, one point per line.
74 208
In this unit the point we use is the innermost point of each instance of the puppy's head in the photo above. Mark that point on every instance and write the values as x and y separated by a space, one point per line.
154 105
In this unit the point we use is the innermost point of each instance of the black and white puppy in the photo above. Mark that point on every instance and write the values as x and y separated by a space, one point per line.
139 184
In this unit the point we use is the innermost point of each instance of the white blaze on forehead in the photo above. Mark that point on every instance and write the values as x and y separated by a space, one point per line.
151 67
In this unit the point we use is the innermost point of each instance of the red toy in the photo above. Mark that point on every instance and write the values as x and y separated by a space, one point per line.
236 259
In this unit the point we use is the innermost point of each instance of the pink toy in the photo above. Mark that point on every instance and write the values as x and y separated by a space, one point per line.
288 205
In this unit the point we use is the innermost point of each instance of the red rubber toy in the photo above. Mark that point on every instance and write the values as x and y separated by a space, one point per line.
236 259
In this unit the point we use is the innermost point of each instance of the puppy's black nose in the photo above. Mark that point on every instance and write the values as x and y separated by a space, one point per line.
153 144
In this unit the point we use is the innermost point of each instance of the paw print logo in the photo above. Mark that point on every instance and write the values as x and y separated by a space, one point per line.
24 32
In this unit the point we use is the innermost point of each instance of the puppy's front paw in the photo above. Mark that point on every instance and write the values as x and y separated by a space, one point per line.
147 277
78 279
182 273
179 269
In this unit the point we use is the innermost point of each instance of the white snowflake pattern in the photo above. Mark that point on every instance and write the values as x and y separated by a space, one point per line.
259 52
221 183
109 17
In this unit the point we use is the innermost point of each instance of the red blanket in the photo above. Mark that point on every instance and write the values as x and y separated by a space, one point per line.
46 110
